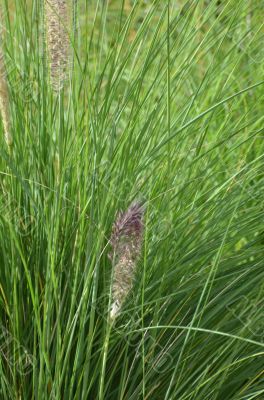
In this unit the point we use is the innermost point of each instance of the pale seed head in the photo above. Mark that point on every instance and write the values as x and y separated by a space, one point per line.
4 102
56 14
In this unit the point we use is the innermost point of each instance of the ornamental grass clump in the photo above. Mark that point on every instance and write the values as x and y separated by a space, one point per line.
126 241
4 102
56 14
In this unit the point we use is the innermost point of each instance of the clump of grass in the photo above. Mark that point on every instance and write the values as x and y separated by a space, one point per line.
4 101
56 14
126 241
175 113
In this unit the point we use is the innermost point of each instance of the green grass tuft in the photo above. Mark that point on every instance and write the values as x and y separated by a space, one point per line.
163 104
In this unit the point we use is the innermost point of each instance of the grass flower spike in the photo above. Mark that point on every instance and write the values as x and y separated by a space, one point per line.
4 101
126 241
56 12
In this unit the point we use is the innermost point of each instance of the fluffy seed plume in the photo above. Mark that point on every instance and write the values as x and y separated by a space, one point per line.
56 13
4 101
126 241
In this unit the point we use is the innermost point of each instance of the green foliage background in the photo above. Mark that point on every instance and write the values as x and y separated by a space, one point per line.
164 103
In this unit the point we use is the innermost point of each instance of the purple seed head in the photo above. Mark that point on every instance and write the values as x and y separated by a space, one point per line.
126 240
127 230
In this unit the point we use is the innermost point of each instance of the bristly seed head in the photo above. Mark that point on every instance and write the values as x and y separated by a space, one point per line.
126 241
4 102
56 13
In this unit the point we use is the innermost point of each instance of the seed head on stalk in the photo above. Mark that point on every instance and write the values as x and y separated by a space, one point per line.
4 102
56 15
126 241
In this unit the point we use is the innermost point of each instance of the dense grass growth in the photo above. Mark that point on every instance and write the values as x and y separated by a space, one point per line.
163 104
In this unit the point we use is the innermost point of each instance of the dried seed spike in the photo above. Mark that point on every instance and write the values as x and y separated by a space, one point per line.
56 13
4 101
126 241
